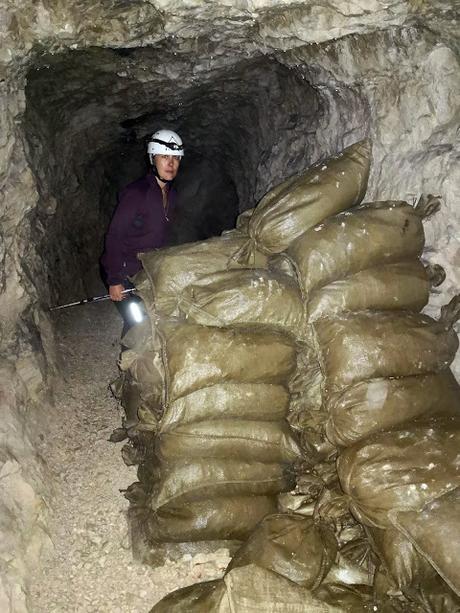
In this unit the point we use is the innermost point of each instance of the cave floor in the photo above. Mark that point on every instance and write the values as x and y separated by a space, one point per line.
91 569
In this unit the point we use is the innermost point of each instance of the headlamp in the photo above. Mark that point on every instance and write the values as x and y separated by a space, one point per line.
173 146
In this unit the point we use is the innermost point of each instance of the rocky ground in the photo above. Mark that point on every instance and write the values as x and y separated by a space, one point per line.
91 569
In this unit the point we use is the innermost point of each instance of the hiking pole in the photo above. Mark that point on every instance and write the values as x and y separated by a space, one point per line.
88 300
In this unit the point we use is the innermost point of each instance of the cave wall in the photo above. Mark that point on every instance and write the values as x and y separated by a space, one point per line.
384 67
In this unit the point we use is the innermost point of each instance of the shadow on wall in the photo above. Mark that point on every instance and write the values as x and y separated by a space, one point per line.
207 200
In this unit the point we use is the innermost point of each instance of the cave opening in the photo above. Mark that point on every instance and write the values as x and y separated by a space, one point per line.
89 115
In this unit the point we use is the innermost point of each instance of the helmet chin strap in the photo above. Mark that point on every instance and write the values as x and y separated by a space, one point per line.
155 172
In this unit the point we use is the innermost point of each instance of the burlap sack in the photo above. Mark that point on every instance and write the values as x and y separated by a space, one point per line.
433 595
292 546
281 264
380 404
255 590
147 371
186 481
374 234
403 564
243 440
377 344
205 597
215 519
199 356
252 589
299 203
172 269
243 401
128 392
401 470
400 286
242 221
245 297
435 532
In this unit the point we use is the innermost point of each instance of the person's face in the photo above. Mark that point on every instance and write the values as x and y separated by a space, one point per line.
167 165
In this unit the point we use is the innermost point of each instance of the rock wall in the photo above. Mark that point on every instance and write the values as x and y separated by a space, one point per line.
274 84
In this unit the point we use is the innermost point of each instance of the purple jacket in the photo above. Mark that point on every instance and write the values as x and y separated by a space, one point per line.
140 223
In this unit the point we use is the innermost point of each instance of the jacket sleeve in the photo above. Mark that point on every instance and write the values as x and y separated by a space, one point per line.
114 254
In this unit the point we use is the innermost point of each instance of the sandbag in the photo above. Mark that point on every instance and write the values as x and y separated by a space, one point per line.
245 297
217 518
147 370
433 596
244 401
380 404
307 382
435 532
189 481
309 425
242 221
400 286
244 440
374 234
255 590
252 589
350 598
172 269
299 203
282 264
205 597
403 564
378 344
292 546
128 392
200 356
400 470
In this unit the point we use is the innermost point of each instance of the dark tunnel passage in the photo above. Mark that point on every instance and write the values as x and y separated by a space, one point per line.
89 115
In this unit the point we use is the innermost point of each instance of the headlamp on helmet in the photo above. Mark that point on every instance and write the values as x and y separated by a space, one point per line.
165 142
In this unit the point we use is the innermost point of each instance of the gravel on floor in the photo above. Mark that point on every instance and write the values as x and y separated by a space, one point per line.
91 569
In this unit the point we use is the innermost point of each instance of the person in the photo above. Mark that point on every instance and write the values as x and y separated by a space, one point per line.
143 217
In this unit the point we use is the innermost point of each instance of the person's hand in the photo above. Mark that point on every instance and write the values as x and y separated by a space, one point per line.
115 292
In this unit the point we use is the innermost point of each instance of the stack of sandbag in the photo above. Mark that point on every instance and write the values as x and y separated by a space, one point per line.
386 388
288 565
361 260
363 284
382 370
310 312
230 325
202 282
140 387
222 448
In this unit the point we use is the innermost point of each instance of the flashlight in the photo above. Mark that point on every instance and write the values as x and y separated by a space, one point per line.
136 311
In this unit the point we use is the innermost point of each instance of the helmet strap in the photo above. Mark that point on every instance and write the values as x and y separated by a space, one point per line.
155 172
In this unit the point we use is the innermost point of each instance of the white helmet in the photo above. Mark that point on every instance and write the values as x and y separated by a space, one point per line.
165 142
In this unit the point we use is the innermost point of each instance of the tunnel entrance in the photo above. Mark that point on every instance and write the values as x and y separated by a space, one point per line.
90 113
